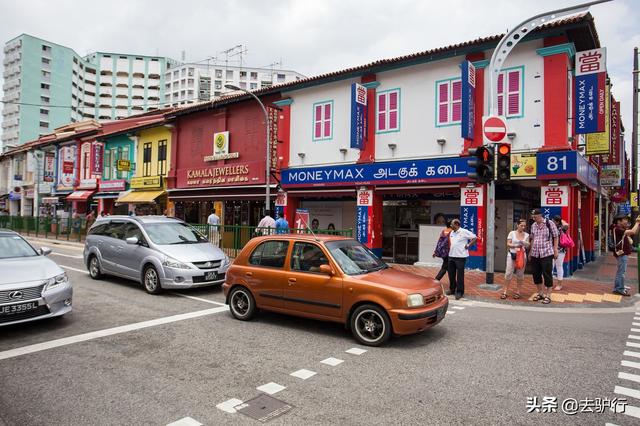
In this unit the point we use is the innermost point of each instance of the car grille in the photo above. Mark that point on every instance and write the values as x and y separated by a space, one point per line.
42 310
212 264
28 293
430 299
200 279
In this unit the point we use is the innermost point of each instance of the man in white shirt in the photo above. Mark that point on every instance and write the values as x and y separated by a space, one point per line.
214 224
459 242
266 225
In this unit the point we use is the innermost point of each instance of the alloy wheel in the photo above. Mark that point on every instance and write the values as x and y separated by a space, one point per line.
370 326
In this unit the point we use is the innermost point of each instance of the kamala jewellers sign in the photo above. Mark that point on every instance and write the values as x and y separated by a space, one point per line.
236 174
221 148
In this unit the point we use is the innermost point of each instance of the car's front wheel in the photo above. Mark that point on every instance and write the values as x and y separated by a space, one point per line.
94 268
151 280
242 304
370 325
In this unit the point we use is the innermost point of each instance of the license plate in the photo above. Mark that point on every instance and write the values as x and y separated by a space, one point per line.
210 276
18 308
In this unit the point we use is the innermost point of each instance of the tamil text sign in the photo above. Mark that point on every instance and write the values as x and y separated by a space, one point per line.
358 115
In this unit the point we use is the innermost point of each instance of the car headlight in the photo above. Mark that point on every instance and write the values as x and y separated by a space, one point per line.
55 281
414 300
173 263
226 260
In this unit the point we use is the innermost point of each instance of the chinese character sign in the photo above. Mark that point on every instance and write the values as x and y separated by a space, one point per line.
96 158
591 61
472 197
363 215
49 166
468 99
273 136
472 219
358 115
554 196
590 97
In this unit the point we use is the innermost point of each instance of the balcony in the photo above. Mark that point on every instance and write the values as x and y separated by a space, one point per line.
122 92
137 81
137 102
89 99
122 80
104 111
137 92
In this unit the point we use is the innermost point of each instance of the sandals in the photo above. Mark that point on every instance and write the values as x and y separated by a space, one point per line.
546 300
503 296
516 296
622 293
538 297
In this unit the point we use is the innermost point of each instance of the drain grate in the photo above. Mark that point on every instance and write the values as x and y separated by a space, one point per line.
263 408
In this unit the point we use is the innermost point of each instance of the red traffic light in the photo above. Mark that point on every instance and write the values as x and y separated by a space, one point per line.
504 149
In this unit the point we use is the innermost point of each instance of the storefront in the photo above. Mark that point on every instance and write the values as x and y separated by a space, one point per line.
67 174
108 193
148 196
117 171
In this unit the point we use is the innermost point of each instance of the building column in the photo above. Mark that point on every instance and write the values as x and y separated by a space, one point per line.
284 133
587 208
558 56
368 153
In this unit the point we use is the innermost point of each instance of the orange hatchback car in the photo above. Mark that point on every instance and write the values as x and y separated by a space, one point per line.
332 278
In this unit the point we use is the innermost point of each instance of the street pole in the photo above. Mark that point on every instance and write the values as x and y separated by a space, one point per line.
634 134
498 58
267 200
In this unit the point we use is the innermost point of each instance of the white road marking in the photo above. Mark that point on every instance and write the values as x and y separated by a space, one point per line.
303 374
633 345
355 351
621 390
451 312
200 299
627 376
631 336
635 330
630 364
332 361
610 424
636 318
12 353
632 411
635 323
228 405
187 421
53 253
458 307
629 353
271 388
74 269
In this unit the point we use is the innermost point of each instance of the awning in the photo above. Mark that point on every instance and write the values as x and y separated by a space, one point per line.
50 200
104 195
79 195
139 197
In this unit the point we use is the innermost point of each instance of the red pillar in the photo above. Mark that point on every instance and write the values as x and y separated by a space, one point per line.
284 133
375 242
368 153
290 210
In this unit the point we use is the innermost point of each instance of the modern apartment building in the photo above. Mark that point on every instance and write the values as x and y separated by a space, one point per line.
190 83
47 85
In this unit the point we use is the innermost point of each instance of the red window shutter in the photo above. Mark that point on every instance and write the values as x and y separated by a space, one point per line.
500 105
318 115
514 81
393 100
443 92
318 130
317 120
457 91
382 107
456 111
514 93
443 116
500 83
393 120
443 108
327 121
514 104
327 111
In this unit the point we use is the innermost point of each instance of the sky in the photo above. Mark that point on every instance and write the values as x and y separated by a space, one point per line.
308 36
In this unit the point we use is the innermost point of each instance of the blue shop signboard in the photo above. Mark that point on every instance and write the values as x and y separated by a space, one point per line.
468 99
439 170
358 115
567 165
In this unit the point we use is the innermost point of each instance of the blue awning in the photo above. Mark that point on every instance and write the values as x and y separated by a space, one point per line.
107 195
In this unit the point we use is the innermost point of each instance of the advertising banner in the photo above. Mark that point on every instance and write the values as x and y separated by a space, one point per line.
615 141
472 219
97 156
301 221
67 166
611 176
598 143
364 215
566 165
554 200
358 115
468 99
273 136
590 96
281 202
523 166
49 166
123 165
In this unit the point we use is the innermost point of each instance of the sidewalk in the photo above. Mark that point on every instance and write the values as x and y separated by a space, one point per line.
591 285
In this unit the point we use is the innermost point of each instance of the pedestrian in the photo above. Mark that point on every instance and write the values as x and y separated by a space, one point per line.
91 217
315 224
266 225
213 224
442 250
544 250
622 244
440 219
76 222
563 227
517 241
460 240
102 214
331 229
282 226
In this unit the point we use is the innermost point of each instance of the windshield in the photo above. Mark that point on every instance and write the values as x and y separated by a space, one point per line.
14 246
173 233
354 258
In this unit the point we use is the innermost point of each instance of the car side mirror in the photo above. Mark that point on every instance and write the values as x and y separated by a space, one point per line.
325 269
132 240
45 251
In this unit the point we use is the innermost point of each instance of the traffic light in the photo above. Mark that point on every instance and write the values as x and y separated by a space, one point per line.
503 168
481 164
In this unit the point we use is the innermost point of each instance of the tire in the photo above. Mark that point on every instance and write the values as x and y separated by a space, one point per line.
94 268
151 280
242 304
370 325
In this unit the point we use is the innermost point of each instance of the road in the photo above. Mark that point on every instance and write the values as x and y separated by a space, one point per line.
126 357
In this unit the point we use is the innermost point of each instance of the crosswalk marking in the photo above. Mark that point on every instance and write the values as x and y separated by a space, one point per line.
630 353
627 376
630 364
621 390
187 421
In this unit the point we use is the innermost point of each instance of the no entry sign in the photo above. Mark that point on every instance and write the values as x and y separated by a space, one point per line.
494 128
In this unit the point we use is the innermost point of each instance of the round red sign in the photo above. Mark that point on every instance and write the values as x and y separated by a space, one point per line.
495 129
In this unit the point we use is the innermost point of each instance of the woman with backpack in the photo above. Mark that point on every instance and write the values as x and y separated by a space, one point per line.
518 242
442 248
564 242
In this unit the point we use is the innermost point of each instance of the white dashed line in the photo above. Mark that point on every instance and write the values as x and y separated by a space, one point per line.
620 390
12 353
631 336
635 330
200 299
303 374
228 405
636 318
451 312
355 351
458 307
627 376
73 256
271 388
82 271
187 421
633 345
332 361
630 364
633 354
637 324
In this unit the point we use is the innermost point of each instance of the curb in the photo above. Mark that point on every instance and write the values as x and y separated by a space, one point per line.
632 305
69 244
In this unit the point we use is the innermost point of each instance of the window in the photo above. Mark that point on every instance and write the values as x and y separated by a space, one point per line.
146 159
510 92
219 73
44 86
44 111
253 86
114 230
132 230
449 102
229 74
44 125
322 120
86 164
108 165
243 74
388 108
123 154
281 77
46 61
162 157
307 257
254 75
270 254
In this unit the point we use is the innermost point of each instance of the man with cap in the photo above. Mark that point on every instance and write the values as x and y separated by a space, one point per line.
623 242
544 250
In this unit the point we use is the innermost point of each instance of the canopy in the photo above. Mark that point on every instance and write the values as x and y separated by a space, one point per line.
139 197
79 195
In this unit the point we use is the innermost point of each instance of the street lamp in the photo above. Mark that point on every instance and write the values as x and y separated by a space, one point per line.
266 122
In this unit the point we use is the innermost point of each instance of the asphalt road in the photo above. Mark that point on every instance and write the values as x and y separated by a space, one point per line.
162 359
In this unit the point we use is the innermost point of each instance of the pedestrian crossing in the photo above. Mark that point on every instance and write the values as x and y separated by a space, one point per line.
628 385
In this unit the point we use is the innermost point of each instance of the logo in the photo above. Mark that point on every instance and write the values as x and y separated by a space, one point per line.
14 295
220 141
208 264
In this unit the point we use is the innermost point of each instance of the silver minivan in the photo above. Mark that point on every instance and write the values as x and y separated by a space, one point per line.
159 252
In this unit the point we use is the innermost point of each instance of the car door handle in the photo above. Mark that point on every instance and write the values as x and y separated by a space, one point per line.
292 280
249 274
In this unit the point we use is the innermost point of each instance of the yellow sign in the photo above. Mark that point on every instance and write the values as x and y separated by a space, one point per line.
523 165
124 165
634 199
598 143
596 221
146 182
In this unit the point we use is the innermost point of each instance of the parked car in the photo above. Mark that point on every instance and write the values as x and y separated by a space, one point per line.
159 252
334 279
31 286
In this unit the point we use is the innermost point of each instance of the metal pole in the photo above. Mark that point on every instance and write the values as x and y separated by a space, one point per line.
634 134
498 59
